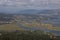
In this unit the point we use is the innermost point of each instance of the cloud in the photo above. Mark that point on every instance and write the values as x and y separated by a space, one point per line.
31 3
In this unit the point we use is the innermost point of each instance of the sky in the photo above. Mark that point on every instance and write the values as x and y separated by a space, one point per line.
9 5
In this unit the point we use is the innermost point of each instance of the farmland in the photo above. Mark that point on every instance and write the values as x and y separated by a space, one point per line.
37 21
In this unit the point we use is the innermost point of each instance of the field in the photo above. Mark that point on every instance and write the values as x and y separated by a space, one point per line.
40 25
9 27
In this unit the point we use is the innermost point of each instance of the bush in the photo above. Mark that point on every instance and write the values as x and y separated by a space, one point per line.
26 35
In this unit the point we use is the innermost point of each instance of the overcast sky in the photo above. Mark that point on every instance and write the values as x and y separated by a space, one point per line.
32 4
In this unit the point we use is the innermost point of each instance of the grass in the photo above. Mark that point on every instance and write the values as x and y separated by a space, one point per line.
9 27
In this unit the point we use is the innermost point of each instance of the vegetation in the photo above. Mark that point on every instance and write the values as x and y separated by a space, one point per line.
39 25
27 35
9 27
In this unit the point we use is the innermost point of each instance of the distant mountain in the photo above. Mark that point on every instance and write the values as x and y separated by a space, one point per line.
19 11
34 11
29 11
54 11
